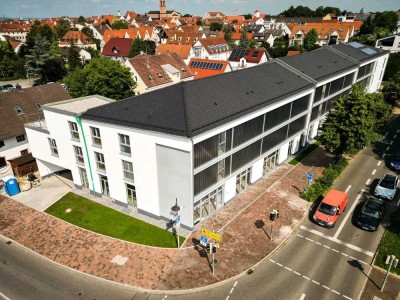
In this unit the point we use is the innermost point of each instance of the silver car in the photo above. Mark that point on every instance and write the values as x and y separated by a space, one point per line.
386 187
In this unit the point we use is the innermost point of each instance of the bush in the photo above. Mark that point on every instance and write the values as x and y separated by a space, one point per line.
328 176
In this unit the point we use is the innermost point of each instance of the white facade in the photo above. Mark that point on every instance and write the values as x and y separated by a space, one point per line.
11 149
390 43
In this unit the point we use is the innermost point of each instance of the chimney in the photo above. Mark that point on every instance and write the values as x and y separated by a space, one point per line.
18 87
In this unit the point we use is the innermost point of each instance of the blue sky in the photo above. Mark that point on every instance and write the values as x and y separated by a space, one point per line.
75 8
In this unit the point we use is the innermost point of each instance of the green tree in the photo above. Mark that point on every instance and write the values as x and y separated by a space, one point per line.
62 27
37 28
74 59
228 30
93 52
392 66
247 16
354 121
244 41
81 19
187 15
138 46
310 39
215 26
391 89
119 25
103 77
89 32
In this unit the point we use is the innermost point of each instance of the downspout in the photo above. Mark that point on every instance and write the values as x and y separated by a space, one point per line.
79 121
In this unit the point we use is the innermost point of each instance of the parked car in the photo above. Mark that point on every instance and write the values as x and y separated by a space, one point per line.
7 87
394 162
370 214
328 211
387 186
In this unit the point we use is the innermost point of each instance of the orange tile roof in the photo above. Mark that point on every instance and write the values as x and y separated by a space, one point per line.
74 36
182 50
324 29
210 43
131 33
236 36
206 72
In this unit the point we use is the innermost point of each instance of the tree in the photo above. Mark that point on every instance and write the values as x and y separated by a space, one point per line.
89 32
310 39
393 66
119 25
187 15
93 52
62 27
102 76
228 30
247 16
81 19
354 121
391 89
37 28
140 46
244 41
74 59
215 26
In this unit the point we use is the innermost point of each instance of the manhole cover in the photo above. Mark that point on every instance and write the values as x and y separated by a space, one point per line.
68 210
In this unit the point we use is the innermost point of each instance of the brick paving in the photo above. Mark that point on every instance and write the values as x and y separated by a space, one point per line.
243 244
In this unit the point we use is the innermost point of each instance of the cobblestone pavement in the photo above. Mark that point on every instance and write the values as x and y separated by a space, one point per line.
372 289
243 244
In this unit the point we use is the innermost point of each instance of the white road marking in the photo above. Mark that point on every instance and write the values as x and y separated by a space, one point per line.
379 163
383 155
300 235
279 264
4 296
308 239
368 181
302 296
348 188
344 254
386 134
326 287
318 243
395 136
391 142
398 130
398 202
349 212
335 250
306 277
326 246
231 291
272 261
336 292
316 282
297 273
227 298
235 283
289 269
369 253
373 172
344 296
387 148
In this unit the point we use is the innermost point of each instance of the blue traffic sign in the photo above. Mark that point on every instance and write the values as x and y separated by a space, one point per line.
203 240
178 219
309 176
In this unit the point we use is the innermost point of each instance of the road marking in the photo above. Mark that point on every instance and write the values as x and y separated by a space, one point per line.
348 188
227 298
373 172
318 243
336 292
316 282
297 273
279 264
395 136
327 247
335 250
300 235
344 296
349 212
235 284
398 130
398 202
306 277
368 181
272 261
387 148
379 163
391 142
386 134
326 287
231 291
344 254
308 239
4 296
302 296
353 247
165 297
289 269
383 155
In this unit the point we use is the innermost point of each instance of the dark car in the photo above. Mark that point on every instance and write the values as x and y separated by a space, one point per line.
394 162
370 214
6 87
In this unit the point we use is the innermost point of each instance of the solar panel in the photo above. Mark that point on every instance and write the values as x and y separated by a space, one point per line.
368 51
356 45
219 67
207 65
212 65
192 63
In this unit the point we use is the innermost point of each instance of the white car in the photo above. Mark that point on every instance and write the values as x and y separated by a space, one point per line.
387 186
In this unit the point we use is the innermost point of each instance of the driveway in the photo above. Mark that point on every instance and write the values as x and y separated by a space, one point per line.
43 196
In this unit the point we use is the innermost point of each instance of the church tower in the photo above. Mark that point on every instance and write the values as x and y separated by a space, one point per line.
163 9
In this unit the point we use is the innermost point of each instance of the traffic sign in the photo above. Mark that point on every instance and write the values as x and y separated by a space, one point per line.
310 176
211 234
203 240
178 219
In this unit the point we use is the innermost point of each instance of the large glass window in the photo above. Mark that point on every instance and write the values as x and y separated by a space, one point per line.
299 106
336 86
53 146
212 147
246 155
128 170
274 139
297 126
105 188
131 195
100 162
248 130
84 178
222 143
207 205
124 144
211 175
73 128
79 155
96 138
277 116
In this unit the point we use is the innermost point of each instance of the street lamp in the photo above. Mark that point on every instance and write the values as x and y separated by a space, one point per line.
177 218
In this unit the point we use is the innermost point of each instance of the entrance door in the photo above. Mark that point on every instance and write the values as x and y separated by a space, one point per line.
131 195
84 179
243 180
270 162
290 148
105 189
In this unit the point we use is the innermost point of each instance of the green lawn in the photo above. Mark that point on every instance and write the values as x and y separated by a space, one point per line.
298 158
101 219
390 243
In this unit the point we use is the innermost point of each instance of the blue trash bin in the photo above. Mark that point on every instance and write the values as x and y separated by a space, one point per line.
11 185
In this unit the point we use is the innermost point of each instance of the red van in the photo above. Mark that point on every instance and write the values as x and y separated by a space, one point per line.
328 211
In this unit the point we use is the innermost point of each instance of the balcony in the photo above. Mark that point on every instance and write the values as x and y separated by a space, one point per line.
39 125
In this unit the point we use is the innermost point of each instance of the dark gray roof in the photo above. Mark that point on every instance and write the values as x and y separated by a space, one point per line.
320 64
358 51
192 107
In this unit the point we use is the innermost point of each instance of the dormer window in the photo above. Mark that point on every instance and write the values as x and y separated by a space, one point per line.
150 77
18 110
38 105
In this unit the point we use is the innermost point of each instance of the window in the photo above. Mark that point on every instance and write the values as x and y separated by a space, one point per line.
124 144
38 105
96 138
84 178
221 169
18 110
2 144
221 143
20 138
73 127
24 152
128 170
3 162
79 155
100 163
53 146
131 193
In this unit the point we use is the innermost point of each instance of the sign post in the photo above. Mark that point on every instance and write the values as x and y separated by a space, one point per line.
213 246
309 178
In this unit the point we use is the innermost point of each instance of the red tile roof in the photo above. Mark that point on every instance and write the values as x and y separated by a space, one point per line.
117 47
215 45
182 50
75 36
293 53
206 71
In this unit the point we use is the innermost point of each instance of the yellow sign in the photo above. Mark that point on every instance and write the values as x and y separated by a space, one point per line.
211 234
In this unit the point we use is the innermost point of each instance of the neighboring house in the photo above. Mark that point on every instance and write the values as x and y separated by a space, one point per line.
269 36
245 58
117 48
152 72
205 68
15 44
203 142
390 43
130 15
255 28
16 31
184 51
78 39
146 33
215 48
236 36
17 108
84 55
181 37
211 15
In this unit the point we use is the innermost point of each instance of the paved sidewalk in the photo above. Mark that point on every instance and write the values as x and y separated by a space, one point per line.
243 244
372 289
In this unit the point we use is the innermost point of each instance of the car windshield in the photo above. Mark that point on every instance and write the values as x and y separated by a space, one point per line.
388 182
372 209
327 209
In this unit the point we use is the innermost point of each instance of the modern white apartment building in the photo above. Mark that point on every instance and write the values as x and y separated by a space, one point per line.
201 142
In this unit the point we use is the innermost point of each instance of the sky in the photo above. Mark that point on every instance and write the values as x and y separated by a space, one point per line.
86 8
